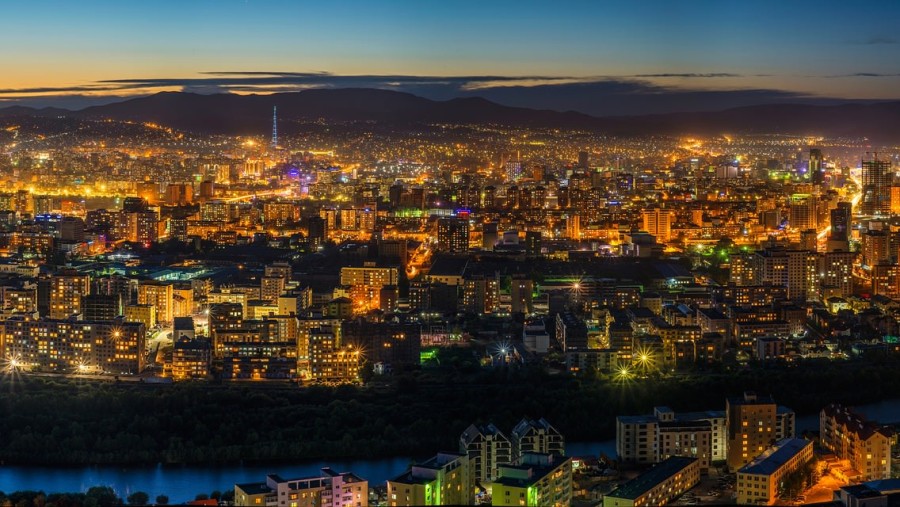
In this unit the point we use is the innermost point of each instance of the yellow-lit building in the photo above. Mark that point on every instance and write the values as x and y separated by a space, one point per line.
366 283
75 345
66 291
191 358
866 445
751 425
759 480
145 314
442 480
329 360
658 222
182 301
158 294
658 486
537 480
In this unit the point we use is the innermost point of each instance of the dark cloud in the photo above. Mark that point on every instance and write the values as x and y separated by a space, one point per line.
690 74
599 95
63 89
866 74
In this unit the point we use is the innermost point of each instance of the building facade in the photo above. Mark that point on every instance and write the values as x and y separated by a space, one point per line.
759 480
864 444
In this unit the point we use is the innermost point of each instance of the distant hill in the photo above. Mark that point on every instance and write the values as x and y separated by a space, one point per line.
252 114
30 111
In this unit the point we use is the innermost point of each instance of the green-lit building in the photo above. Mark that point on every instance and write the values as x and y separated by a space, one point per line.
441 480
540 480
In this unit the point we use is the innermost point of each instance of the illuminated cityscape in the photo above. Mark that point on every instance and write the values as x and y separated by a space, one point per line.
455 268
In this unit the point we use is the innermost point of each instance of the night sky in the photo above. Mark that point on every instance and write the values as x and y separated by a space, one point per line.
591 56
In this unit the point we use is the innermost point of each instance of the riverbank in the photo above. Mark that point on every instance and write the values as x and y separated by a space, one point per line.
61 422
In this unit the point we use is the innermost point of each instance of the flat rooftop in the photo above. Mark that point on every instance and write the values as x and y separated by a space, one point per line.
648 480
773 459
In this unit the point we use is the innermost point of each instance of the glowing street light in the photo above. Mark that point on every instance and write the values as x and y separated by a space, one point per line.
624 374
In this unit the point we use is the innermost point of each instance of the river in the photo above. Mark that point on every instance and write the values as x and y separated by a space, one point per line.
182 483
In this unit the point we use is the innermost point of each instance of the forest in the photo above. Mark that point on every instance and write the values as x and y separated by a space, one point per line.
67 422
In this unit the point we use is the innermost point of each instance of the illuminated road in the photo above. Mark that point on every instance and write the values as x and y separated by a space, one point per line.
854 201
283 192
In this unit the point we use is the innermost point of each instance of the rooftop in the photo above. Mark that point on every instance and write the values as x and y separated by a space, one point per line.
775 457
643 483
254 488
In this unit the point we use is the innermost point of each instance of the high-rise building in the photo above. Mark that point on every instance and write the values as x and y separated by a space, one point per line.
851 437
876 248
481 294
489 236
803 212
533 243
101 306
837 271
751 426
876 187
795 269
841 221
647 439
159 295
316 231
816 169
453 234
514 169
886 280
487 448
658 222
584 159
66 291
179 194
530 436
329 359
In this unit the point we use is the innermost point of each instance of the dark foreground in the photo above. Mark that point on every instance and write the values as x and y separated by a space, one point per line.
69 422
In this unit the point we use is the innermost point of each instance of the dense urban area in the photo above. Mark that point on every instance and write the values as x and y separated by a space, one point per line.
476 296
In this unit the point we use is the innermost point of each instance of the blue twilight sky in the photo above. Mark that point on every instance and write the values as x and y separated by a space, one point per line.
538 51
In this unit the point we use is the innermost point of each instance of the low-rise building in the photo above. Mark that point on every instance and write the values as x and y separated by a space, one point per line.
881 493
330 489
658 486
534 480
442 480
758 481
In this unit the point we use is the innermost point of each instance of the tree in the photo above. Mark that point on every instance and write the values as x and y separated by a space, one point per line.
138 498
162 500
102 496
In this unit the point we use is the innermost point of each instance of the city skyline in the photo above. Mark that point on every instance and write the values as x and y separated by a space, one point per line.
532 55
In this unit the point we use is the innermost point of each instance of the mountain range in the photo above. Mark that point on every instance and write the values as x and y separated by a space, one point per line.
252 114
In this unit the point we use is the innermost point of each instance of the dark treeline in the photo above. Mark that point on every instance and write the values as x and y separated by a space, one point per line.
59 422
98 496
